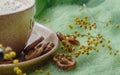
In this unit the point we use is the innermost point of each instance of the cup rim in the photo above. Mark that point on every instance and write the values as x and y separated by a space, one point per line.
18 11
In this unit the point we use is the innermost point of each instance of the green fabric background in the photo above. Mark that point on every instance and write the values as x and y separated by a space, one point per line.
62 12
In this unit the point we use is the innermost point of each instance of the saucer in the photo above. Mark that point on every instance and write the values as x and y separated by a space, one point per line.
26 66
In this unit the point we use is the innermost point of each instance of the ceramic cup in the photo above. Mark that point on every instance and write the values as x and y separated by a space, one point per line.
15 26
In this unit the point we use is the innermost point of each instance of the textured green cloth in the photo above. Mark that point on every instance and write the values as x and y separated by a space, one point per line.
62 12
